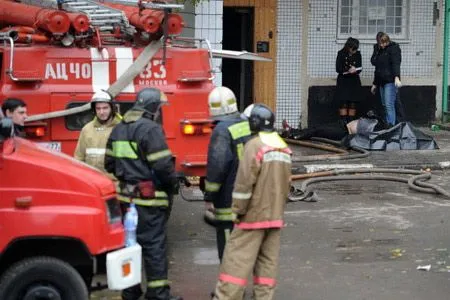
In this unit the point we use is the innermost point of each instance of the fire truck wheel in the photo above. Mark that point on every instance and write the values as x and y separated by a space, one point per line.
42 278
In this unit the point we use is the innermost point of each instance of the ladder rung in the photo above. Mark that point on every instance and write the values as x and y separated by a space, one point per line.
105 15
95 11
87 7
101 22
76 4
105 28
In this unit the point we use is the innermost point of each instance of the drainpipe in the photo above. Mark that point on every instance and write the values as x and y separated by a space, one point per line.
445 62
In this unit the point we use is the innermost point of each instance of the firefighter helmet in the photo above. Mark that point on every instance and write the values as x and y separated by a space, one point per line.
150 101
247 111
261 118
221 102
101 97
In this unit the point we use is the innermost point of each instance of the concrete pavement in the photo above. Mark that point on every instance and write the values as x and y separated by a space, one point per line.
361 240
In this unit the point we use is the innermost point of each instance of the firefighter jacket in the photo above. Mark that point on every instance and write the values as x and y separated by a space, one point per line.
225 149
92 143
262 183
137 152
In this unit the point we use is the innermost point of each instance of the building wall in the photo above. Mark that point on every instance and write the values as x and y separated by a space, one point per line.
289 60
417 53
205 22
307 47
419 64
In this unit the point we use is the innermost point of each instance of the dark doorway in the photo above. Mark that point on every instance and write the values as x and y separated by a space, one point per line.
238 35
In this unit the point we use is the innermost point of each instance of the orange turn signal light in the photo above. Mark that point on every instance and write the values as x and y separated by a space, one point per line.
206 129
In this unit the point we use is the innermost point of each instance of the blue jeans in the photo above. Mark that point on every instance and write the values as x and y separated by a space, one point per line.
388 93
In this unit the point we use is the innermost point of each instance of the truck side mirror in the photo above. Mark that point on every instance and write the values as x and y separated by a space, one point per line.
6 128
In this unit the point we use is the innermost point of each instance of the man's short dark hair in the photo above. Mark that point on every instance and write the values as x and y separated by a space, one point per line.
11 104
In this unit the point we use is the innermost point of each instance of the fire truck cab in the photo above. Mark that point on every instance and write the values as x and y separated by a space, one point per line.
58 220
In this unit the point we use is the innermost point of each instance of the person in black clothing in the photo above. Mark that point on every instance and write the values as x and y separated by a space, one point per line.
225 150
348 88
16 110
138 156
338 130
387 58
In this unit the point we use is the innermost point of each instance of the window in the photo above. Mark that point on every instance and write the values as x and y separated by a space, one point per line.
364 18
77 121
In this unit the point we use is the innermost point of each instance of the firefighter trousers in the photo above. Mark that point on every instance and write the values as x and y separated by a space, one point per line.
152 237
223 231
254 250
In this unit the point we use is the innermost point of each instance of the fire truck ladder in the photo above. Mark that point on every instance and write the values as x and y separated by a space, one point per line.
147 4
101 16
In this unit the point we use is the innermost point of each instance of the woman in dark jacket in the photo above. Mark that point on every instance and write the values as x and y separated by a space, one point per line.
348 88
387 58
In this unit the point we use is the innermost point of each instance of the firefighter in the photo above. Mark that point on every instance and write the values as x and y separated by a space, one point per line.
137 154
94 135
259 197
16 109
224 151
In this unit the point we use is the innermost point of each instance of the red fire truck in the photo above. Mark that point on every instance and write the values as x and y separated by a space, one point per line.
54 59
56 55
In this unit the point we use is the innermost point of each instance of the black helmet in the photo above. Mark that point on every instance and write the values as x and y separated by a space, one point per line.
261 118
150 101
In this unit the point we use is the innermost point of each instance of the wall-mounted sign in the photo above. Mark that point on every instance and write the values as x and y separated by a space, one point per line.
262 47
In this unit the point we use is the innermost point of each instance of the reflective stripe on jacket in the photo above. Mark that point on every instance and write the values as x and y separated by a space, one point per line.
91 144
262 182
225 149
137 151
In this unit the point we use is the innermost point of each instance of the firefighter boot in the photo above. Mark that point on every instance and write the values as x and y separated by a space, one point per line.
132 293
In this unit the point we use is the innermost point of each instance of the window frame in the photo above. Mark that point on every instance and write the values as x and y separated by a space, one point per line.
366 37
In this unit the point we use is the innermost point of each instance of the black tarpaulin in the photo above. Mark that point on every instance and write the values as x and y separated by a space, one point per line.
403 136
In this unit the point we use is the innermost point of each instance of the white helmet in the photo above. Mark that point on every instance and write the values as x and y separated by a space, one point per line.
101 96
247 112
221 102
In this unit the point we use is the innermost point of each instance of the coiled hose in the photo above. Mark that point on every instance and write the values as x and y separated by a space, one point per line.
415 182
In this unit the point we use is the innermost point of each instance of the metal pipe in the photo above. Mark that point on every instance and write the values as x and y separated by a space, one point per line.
11 57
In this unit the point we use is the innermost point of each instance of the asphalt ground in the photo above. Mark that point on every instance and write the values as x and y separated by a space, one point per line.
360 240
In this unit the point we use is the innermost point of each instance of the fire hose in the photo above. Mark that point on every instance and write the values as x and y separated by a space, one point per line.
415 182
341 154
136 67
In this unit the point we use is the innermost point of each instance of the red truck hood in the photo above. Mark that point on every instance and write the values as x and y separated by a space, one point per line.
70 168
